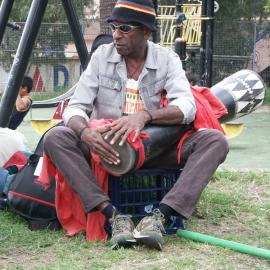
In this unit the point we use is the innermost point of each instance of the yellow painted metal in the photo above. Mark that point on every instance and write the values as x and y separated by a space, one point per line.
191 27
232 130
41 126
167 22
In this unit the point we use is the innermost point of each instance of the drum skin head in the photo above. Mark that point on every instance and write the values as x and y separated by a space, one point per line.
128 159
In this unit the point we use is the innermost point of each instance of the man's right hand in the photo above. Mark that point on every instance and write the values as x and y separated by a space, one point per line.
93 138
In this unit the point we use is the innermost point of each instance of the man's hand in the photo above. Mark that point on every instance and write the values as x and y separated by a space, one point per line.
93 138
122 127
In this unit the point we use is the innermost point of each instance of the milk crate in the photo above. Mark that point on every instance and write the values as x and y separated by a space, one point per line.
140 192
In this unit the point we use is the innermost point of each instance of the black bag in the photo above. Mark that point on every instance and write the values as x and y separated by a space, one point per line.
29 199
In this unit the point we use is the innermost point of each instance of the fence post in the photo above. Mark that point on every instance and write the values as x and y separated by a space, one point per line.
179 18
209 42
206 49
180 49
202 47
154 34
254 43
21 59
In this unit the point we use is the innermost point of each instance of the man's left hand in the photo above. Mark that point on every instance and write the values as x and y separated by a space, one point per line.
122 127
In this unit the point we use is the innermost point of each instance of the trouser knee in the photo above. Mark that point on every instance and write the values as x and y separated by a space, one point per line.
56 137
218 142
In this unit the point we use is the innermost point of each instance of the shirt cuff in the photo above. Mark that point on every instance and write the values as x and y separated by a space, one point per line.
70 112
187 108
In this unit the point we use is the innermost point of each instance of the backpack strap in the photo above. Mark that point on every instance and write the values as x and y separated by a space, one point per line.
35 225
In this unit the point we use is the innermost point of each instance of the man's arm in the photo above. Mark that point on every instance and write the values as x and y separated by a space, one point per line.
80 105
92 137
77 124
170 115
178 89
122 127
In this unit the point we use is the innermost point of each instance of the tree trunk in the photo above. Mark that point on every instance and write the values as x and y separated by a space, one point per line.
106 7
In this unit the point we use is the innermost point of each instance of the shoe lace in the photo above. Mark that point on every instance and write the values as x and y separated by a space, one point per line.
158 220
121 223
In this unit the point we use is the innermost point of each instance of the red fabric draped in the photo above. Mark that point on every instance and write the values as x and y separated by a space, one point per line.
70 211
18 158
208 109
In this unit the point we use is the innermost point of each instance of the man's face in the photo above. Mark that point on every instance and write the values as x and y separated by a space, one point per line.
129 39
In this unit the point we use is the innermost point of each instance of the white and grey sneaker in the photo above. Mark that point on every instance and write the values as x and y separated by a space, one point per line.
150 229
122 231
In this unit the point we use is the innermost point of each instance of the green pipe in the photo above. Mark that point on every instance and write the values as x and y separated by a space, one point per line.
251 250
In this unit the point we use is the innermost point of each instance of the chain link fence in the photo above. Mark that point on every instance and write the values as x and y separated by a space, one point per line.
237 45
55 66
241 44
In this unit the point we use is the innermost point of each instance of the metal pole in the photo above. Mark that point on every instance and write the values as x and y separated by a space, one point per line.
76 32
202 47
5 10
209 43
254 43
181 49
179 18
21 59
154 34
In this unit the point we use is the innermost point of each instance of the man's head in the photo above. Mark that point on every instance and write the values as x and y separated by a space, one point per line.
27 85
131 23
141 12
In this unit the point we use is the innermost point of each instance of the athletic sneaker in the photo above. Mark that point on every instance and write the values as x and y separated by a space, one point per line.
122 231
150 229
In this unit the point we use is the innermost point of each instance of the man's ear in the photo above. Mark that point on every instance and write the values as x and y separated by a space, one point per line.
146 33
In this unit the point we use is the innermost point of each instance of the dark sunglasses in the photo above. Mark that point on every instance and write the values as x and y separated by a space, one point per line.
124 28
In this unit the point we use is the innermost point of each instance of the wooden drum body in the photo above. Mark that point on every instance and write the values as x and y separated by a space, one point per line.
160 139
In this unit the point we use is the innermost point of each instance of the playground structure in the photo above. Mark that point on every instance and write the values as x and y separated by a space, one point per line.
187 17
191 24
188 21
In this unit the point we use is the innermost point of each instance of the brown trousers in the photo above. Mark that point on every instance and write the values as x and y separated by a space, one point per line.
201 154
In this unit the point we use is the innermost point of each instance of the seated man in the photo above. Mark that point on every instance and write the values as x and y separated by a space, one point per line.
23 103
124 81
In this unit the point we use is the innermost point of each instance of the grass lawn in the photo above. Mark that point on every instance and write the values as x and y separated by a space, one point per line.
234 206
267 97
